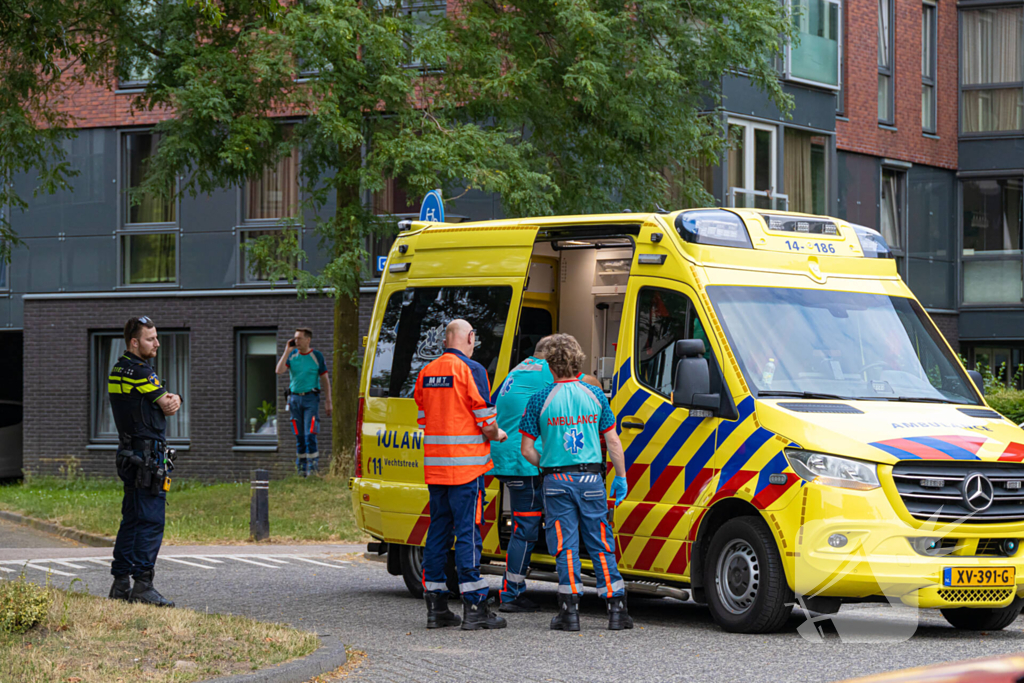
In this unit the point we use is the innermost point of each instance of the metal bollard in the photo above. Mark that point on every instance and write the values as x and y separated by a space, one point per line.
259 506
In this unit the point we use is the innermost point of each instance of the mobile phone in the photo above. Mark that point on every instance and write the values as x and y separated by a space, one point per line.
291 342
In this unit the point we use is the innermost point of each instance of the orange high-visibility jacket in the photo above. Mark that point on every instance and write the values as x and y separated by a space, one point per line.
452 394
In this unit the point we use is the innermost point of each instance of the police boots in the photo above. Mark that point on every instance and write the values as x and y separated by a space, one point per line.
438 614
476 616
618 617
568 617
144 592
122 588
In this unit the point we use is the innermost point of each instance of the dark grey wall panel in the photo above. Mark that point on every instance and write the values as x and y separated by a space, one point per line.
209 213
984 325
90 207
476 206
813 108
932 235
89 264
859 182
17 312
316 258
43 264
5 313
209 260
987 155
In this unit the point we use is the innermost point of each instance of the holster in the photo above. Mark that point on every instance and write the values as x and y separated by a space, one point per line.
146 472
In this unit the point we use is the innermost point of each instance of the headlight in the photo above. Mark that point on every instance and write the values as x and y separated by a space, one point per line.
831 470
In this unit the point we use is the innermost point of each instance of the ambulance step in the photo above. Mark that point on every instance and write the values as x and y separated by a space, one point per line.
635 587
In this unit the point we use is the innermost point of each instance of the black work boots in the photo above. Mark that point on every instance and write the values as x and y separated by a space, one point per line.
144 592
438 614
568 617
520 604
618 617
122 588
476 616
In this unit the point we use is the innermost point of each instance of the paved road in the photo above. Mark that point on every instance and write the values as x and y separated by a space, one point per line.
18 536
335 590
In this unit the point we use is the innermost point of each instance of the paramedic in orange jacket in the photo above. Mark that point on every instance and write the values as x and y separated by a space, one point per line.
458 422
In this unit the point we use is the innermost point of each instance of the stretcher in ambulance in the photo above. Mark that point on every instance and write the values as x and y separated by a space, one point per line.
796 429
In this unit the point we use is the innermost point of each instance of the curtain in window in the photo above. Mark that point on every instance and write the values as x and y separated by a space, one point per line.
992 46
797 167
275 194
149 258
890 210
172 365
110 349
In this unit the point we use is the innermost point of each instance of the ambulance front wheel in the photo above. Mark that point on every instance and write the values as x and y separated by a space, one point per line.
412 571
745 581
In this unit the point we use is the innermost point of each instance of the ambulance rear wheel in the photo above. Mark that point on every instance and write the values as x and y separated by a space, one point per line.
984 619
744 579
412 571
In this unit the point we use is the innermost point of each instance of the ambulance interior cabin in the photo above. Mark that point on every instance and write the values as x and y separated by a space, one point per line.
577 286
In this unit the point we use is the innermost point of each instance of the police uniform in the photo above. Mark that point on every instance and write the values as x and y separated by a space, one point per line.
522 479
569 418
452 394
142 464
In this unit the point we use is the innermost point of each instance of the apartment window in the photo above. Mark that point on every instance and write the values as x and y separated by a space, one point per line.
249 271
4 267
393 201
751 166
149 258
275 194
929 27
1005 362
991 74
893 209
804 164
992 232
423 17
257 391
136 63
814 58
886 71
171 365
144 208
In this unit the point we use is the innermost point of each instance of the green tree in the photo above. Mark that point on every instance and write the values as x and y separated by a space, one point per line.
573 106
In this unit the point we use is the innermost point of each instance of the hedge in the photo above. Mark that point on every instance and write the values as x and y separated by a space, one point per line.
1009 402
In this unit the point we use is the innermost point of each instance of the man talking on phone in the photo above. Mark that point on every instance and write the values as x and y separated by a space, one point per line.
308 373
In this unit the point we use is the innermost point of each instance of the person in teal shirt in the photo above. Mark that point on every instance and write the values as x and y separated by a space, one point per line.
523 480
569 418
307 373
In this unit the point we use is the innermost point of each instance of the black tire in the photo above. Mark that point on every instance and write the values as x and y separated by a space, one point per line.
412 570
985 618
744 579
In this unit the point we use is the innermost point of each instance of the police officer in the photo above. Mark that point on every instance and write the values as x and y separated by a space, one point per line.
569 418
522 479
458 423
140 404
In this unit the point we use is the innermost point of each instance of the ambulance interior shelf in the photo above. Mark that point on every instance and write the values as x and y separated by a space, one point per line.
578 287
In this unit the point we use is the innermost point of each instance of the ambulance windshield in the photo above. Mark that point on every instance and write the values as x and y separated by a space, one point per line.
815 343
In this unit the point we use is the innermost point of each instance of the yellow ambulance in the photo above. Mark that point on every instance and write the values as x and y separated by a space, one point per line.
796 429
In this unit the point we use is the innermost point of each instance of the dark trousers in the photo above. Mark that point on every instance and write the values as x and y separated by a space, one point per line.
141 531
455 511
526 496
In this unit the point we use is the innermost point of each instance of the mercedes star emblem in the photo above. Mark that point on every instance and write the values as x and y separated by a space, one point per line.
978 492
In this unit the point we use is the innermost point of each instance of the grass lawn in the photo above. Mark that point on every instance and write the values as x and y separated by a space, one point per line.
84 639
314 509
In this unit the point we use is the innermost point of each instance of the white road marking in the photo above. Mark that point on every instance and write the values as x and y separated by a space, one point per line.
97 560
191 564
4 569
49 570
269 559
303 559
206 558
66 564
242 559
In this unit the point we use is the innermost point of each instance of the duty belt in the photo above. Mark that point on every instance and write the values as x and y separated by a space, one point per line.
305 393
595 467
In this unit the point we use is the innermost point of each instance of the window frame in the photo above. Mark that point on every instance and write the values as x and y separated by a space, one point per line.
421 6
243 220
932 80
241 437
960 258
240 233
889 71
122 274
787 64
900 253
98 383
969 6
749 172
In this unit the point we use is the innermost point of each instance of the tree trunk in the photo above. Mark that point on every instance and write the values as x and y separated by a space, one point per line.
345 386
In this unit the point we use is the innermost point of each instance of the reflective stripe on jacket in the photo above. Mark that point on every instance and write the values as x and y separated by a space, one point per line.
452 394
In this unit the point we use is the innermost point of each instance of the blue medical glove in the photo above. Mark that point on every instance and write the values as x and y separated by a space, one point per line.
620 487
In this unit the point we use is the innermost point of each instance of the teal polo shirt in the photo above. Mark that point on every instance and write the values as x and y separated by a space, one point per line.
569 418
510 399
304 370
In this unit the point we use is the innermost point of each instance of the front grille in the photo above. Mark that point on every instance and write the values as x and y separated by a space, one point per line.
946 503
990 546
962 595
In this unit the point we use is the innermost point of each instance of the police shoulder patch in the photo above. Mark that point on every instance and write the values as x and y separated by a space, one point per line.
154 380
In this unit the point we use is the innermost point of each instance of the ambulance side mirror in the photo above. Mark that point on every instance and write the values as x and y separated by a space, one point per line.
692 386
979 381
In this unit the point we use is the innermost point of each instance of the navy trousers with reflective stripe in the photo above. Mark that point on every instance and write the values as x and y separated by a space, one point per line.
455 511
526 495
576 505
